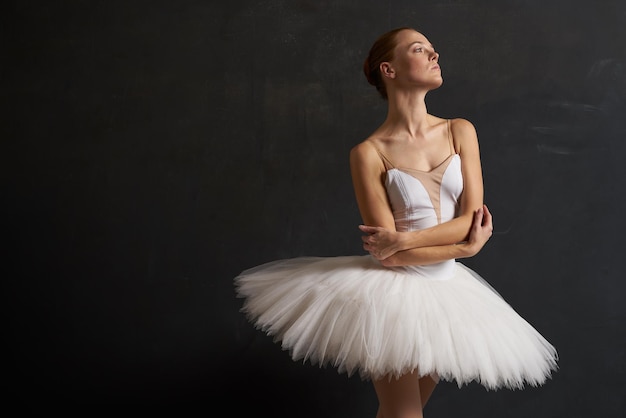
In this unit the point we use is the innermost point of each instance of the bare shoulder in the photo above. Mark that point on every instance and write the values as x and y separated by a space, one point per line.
463 133
363 151
462 127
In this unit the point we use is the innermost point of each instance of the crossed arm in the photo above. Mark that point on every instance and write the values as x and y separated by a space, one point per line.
462 237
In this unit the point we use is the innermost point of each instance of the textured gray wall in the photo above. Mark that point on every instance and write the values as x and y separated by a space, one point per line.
154 149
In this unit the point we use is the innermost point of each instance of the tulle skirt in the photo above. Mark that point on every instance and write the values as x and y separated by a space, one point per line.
360 317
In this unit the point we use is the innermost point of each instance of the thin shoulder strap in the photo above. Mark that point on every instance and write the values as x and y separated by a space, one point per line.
450 140
388 164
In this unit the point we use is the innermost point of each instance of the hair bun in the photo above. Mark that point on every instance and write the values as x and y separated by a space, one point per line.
368 72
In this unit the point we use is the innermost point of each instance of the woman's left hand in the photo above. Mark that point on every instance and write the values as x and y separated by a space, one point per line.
380 242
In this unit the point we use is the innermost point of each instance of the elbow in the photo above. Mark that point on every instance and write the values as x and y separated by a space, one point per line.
391 261
387 262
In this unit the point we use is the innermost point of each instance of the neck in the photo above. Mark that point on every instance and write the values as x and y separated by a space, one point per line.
406 114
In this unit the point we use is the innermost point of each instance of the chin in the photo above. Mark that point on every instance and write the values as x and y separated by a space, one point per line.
436 84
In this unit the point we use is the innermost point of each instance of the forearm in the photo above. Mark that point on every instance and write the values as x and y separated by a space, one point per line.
447 233
430 255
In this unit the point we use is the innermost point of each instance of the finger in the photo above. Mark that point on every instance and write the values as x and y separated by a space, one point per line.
487 218
487 212
478 217
368 229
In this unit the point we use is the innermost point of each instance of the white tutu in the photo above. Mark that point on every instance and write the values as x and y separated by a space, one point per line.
360 317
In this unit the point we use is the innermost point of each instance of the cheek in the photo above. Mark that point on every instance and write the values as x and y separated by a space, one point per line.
420 62
419 66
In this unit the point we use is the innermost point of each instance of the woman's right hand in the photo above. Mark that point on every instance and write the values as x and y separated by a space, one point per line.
481 230
379 242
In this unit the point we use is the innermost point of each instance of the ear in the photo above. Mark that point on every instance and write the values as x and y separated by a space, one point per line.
387 70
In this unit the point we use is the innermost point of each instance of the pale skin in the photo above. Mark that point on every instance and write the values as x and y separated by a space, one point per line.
411 137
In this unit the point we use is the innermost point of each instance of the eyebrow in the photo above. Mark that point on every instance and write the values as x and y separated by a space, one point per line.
421 43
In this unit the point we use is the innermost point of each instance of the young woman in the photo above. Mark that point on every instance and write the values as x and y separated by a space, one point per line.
408 313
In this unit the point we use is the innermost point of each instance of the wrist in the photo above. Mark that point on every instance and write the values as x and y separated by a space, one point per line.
467 250
406 240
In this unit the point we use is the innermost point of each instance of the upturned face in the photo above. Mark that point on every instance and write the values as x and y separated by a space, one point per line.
415 62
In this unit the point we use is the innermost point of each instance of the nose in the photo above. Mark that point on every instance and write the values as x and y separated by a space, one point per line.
434 56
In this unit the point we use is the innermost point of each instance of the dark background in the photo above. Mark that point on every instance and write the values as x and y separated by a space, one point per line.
152 150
